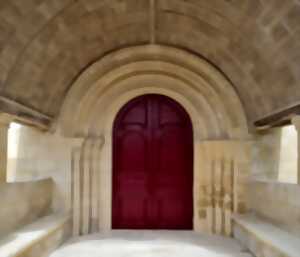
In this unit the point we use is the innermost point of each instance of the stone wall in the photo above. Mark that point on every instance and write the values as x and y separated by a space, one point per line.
274 155
34 155
218 119
82 168
23 203
221 181
277 202
265 155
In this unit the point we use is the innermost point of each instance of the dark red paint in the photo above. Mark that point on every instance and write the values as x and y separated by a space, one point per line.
152 165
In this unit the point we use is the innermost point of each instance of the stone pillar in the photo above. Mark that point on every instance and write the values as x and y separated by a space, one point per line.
4 126
85 185
296 123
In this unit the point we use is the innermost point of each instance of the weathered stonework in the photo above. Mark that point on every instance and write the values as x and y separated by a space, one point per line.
45 45
69 66
24 203
222 182
273 200
219 127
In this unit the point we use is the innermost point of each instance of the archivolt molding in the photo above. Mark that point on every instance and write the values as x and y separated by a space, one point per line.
210 99
218 122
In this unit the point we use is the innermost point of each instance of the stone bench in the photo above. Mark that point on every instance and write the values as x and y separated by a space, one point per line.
264 239
37 239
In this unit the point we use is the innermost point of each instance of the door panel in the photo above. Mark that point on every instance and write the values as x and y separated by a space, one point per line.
152 165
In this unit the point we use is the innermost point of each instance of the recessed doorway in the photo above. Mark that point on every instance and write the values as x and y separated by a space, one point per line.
152 165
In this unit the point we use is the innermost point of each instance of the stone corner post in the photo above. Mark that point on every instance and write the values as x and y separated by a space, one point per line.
296 123
4 126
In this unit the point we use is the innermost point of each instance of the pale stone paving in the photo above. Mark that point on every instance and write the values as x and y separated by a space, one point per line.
151 243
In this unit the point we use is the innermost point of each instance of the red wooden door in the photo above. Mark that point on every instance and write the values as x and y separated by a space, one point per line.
152 165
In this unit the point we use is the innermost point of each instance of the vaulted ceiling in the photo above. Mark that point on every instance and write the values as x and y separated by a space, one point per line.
46 44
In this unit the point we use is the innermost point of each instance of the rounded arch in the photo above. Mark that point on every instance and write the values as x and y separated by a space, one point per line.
100 92
165 70
178 106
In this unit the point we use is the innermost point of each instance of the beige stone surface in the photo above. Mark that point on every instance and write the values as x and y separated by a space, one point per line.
217 117
222 184
279 203
80 161
207 95
150 244
274 155
37 239
263 239
37 155
23 203
265 155
82 167
69 66
45 45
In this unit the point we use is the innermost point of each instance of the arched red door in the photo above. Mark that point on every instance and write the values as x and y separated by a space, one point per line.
152 165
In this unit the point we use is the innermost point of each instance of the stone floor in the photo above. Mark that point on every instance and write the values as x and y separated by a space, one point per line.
150 244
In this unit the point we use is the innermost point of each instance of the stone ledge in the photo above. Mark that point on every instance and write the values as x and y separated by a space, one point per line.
37 239
23 203
264 239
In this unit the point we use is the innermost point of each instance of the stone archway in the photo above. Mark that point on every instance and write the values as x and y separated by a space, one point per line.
220 131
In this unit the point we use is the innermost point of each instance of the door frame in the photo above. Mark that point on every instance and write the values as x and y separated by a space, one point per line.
184 114
106 167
